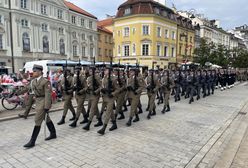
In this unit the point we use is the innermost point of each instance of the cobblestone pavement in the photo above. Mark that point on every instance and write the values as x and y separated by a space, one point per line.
169 140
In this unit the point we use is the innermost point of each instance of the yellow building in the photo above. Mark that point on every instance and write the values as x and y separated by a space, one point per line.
185 40
105 44
145 31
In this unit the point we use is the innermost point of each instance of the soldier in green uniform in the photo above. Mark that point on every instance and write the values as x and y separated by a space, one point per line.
94 88
152 89
135 86
67 87
80 86
42 92
167 84
109 91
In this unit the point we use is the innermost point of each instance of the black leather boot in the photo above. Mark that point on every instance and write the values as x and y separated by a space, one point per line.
52 130
125 107
114 126
163 111
85 119
149 116
168 108
74 117
153 112
99 123
102 131
74 123
122 116
87 126
129 123
62 121
34 136
136 118
140 109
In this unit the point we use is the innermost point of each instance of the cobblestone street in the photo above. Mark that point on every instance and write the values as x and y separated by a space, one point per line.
169 140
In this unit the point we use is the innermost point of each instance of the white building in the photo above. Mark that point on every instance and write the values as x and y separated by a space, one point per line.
45 29
209 29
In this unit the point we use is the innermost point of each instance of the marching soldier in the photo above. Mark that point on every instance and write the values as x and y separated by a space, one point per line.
192 83
80 94
198 84
109 92
152 88
67 87
135 87
177 80
167 85
94 88
42 92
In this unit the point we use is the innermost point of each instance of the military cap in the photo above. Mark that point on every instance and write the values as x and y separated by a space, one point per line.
37 67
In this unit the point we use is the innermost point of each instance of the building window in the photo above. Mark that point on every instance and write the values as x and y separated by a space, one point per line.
45 44
110 53
158 50
165 51
110 39
172 52
156 11
61 30
83 51
166 33
83 36
62 46
90 24
173 35
43 9
134 30
126 50
24 23
1 41
106 38
126 31
119 49
190 39
145 29
24 4
91 51
60 14
73 19
74 35
82 22
106 52
127 11
158 31
145 49
74 50
44 27
99 52
134 48
180 50
26 42
1 22
91 38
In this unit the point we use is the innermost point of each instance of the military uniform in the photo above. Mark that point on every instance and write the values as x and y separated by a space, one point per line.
152 88
68 95
167 85
135 88
80 94
42 92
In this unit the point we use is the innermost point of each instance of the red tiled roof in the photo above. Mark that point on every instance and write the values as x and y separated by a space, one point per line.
106 22
104 29
75 8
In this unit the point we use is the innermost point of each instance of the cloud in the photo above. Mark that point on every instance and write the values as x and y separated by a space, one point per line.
231 13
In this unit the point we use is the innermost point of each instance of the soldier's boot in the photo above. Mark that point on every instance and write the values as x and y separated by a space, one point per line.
34 136
85 119
102 131
147 109
198 97
74 123
114 126
149 115
175 98
99 123
191 100
125 107
129 123
122 116
168 108
153 112
114 107
52 131
136 118
74 116
140 109
178 98
62 121
163 111
87 126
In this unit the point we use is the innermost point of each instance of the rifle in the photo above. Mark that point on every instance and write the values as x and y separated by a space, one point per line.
94 82
110 84
78 84
168 81
152 84
136 83
118 76
66 83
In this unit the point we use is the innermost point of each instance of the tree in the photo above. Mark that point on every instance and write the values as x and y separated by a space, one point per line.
240 58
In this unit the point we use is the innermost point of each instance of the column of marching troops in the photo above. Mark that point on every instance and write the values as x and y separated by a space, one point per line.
118 89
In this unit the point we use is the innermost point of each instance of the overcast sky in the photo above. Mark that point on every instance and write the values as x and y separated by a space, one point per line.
231 13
